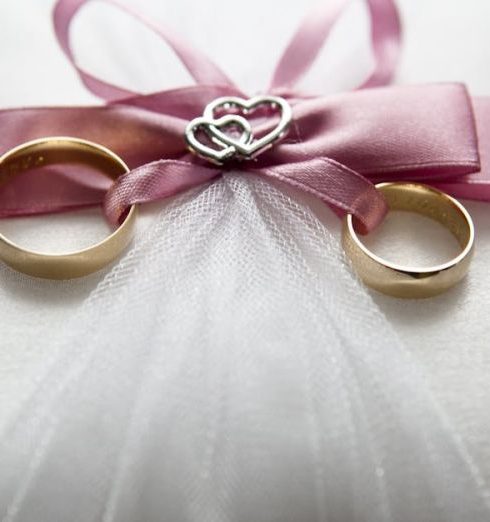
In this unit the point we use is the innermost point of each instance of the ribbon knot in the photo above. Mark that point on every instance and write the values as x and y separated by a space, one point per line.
337 146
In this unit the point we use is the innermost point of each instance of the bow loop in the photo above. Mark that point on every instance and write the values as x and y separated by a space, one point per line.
310 37
202 69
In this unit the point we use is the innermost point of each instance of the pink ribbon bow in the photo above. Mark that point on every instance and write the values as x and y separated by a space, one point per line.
336 148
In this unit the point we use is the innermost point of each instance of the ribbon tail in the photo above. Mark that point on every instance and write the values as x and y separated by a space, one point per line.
52 189
336 185
152 182
476 184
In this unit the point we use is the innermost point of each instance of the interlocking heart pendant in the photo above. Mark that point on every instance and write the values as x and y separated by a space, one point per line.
212 128
221 146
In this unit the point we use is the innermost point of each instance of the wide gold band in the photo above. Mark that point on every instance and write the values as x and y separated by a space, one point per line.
409 282
64 150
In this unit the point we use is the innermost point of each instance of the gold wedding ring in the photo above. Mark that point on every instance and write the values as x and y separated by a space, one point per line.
64 150
404 281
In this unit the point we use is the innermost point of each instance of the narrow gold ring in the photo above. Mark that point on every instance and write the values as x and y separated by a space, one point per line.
64 150
405 281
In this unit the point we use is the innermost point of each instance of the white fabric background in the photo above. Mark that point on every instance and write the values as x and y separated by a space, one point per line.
444 40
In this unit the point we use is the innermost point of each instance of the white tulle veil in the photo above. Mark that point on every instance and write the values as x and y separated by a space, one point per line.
231 368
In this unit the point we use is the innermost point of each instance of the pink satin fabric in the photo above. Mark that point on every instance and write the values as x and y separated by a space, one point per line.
337 146
475 186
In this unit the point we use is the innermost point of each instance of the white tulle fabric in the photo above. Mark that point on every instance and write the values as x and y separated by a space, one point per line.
230 368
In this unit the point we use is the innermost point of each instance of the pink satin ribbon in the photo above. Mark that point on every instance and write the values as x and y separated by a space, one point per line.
337 146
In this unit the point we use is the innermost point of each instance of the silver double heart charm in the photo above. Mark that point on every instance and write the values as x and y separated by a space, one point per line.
230 136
